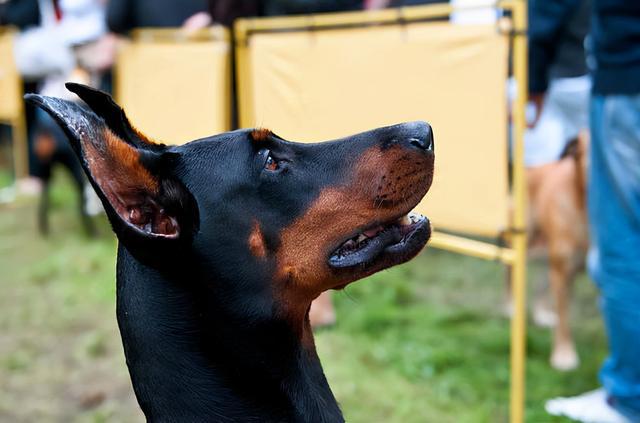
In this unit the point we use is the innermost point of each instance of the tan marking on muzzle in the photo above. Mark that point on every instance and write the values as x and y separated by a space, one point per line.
381 184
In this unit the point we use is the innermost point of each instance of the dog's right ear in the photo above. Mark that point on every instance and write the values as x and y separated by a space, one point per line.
133 176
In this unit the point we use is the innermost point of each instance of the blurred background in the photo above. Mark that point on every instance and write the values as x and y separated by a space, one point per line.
425 342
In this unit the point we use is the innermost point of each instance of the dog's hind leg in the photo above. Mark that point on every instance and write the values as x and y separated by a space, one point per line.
43 209
544 314
44 148
561 274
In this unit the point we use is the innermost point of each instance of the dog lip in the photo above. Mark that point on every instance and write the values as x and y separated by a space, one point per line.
391 246
372 227
422 223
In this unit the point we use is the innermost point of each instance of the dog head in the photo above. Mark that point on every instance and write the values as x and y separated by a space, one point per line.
253 215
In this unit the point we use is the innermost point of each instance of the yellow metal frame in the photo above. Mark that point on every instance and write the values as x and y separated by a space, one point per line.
515 255
18 125
216 33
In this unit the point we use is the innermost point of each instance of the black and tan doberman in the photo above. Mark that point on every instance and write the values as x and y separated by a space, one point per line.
225 242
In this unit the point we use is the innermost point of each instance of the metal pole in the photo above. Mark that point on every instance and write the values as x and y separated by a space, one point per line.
519 239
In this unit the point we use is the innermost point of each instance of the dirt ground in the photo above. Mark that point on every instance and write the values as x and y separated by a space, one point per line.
61 358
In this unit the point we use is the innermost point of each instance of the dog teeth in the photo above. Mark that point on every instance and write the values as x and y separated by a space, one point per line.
405 220
349 244
415 217
361 238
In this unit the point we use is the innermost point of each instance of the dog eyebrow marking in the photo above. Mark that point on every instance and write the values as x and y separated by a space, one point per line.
261 134
256 241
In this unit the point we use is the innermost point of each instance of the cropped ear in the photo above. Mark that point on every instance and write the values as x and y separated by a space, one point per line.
113 115
133 177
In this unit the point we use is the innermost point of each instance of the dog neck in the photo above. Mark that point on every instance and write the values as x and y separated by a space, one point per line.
193 363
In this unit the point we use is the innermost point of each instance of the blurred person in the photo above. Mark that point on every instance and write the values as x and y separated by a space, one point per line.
559 81
226 11
19 13
24 14
555 157
125 15
298 7
614 208
44 50
69 44
47 50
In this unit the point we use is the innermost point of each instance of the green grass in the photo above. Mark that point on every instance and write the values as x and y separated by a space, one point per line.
6 178
424 342
427 342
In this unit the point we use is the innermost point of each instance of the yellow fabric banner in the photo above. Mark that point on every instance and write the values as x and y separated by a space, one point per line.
10 82
318 85
175 90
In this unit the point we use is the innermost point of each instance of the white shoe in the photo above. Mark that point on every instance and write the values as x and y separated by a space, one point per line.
590 407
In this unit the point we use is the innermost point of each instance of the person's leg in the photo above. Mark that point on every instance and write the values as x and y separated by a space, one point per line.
614 213
614 219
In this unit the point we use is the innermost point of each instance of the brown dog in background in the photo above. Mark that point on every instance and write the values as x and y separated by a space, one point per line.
558 237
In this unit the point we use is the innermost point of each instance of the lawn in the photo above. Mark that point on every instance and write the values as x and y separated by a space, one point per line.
424 342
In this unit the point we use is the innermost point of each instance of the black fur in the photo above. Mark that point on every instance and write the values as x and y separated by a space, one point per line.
201 328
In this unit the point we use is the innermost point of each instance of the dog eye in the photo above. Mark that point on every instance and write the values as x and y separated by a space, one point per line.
270 163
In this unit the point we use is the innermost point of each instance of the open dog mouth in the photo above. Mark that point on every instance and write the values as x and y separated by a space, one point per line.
396 241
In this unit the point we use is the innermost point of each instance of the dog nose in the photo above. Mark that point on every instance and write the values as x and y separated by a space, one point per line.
424 143
420 136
